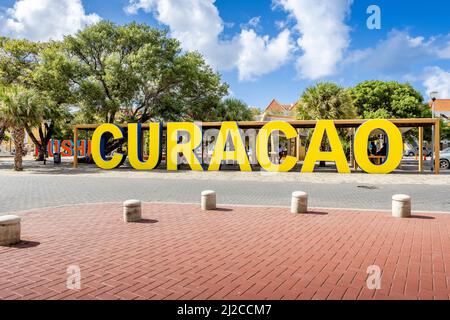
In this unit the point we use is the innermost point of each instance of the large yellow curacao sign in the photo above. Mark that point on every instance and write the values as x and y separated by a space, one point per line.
230 131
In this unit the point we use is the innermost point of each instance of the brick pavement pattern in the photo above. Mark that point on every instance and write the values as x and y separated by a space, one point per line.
180 252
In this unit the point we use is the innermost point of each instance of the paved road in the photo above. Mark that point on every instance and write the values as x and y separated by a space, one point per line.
28 192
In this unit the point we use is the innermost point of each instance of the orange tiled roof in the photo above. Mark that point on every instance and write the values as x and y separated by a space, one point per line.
441 105
276 106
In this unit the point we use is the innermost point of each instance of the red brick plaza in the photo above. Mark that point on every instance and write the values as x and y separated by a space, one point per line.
180 252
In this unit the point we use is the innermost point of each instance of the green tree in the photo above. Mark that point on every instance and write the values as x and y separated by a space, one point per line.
51 82
19 110
379 99
233 110
255 111
18 59
42 69
391 100
326 100
377 114
137 73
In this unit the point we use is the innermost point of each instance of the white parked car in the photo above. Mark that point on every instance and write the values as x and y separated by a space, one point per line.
415 152
445 158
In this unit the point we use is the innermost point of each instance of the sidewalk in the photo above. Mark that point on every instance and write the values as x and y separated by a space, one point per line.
180 252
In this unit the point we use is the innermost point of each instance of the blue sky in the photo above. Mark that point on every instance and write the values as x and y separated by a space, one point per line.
273 48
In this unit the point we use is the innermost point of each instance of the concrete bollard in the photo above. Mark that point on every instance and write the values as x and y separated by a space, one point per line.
401 206
132 211
209 200
9 230
299 203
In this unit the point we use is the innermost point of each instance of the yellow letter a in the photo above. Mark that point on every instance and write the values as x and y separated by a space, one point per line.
336 154
239 154
174 147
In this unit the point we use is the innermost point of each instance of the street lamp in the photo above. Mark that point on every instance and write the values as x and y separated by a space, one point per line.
433 96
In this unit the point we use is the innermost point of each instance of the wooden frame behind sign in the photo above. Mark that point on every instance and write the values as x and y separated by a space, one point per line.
419 123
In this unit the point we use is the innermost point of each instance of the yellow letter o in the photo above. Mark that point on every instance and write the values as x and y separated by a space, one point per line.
395 150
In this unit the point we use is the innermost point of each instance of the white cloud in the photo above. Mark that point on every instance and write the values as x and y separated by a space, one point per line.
253 23
41 20
398 53
444 52
281 24
324 36
437 79
135 5
198 26
271 53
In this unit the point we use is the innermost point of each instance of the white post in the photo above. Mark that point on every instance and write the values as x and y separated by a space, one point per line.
132 211
208 201
401 206
299 202
9 230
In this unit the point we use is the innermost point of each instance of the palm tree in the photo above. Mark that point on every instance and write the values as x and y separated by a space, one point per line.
232 109
17 108
326 101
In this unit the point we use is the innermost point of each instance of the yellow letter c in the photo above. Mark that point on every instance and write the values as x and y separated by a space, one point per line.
262 146
98 147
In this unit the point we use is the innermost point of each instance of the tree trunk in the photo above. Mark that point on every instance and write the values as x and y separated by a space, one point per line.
18 136
42 148
41 153
2 134
43 143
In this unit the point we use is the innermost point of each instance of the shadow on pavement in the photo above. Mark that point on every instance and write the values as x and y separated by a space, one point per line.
223 210
317 213
147 221
25 244
422 217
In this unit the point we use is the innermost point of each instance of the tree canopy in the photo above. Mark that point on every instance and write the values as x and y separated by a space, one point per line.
18 59
326 100
19 107
379 99
137 73
29 69
232 109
